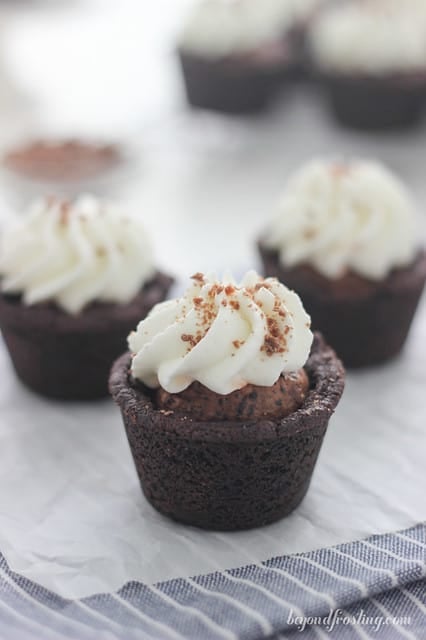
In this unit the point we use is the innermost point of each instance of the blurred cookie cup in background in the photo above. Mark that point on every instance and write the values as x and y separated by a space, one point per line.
235 55
345 235
370 60
75 276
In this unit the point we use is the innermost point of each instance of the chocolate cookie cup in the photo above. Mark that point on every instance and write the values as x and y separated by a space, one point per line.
69 357
366 321
345 235
236 56
375 102
75 277
236 84
228 475
370 61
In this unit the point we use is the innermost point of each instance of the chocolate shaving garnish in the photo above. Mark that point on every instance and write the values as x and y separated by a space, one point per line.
198 277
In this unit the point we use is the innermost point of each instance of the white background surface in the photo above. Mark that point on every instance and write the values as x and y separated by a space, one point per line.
72 515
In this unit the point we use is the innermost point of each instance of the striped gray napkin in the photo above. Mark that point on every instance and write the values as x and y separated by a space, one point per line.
373 588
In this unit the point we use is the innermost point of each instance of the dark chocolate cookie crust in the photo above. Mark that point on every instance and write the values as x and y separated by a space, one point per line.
375 102
365 321
231 86
69 357
228 475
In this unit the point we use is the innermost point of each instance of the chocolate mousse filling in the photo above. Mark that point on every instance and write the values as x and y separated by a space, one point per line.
250 402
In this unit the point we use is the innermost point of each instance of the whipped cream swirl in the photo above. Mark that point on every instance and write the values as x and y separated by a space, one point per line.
223 335
341 217
75 253
220 28
370 37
